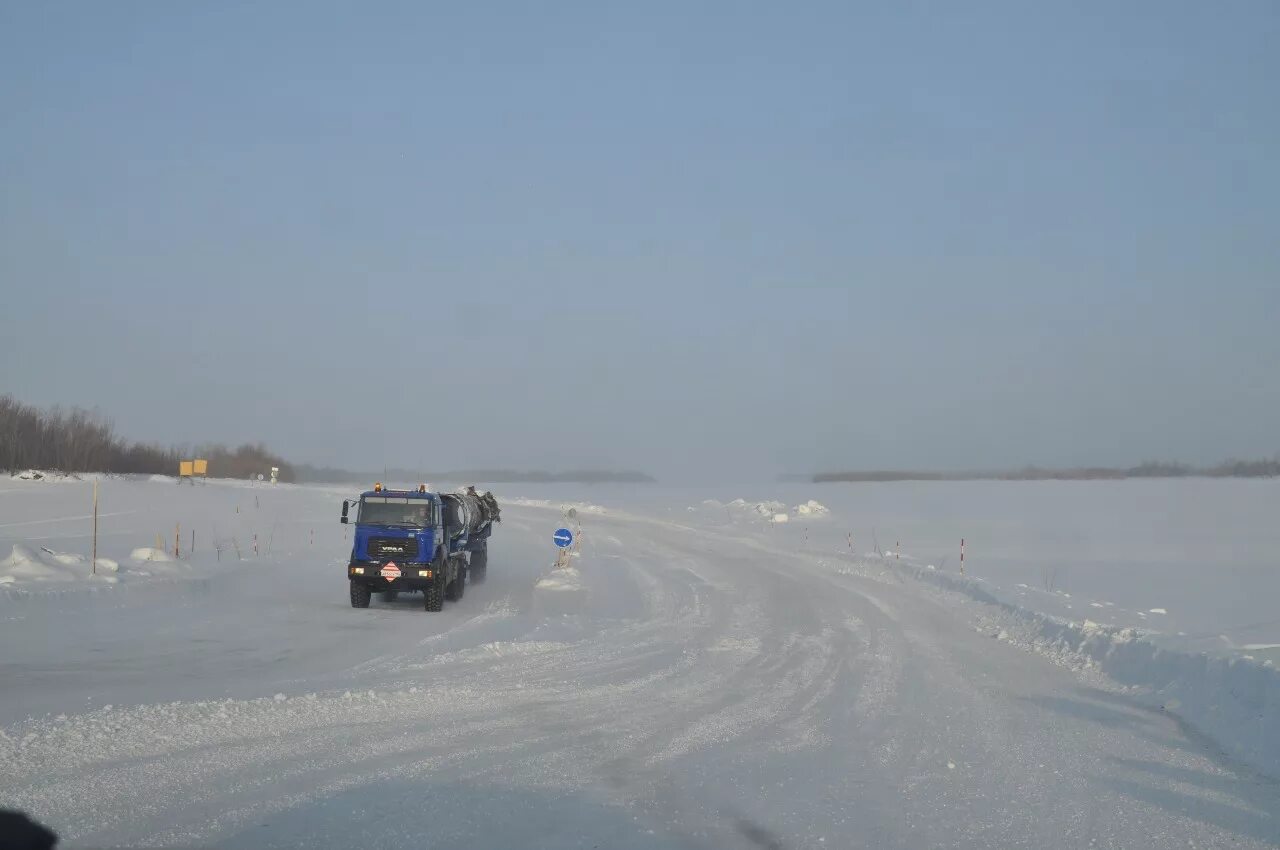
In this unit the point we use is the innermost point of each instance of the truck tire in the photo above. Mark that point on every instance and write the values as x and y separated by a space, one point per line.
360 594
390 595
458 586
479 566
433 595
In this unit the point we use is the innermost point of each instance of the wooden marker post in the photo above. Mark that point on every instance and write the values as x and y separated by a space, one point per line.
94 568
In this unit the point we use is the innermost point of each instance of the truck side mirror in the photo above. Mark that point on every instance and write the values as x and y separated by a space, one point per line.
345 507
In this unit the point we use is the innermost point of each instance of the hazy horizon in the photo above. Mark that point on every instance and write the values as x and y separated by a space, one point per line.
697 243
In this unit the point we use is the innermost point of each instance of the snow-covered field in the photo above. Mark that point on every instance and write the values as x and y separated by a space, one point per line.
1193 562
706 675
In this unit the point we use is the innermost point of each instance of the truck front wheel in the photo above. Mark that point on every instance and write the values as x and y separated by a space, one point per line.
360 594
433 594
479 566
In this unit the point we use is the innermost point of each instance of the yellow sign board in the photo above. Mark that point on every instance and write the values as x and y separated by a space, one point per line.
184 468
201 466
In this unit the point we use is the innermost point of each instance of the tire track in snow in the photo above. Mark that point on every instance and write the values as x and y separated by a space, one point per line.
707 678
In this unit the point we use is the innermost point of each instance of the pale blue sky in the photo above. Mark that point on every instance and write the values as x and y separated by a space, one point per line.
704 240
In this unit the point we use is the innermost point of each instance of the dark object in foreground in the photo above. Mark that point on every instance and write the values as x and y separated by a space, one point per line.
19 832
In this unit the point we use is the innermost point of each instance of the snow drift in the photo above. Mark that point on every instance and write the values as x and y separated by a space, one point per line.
812 508
149 554
25 565
1233 700
769 510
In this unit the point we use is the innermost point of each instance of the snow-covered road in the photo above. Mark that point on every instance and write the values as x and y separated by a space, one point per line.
706 689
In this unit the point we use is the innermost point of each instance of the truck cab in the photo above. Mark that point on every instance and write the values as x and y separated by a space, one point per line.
402 544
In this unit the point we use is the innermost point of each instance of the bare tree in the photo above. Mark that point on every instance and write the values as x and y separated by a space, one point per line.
78 440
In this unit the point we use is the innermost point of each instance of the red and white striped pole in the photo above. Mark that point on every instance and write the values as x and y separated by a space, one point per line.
961 556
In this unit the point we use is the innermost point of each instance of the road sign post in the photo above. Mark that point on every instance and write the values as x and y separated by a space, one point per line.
563 538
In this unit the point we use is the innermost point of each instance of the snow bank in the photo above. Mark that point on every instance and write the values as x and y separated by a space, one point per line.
1233 700
811 508
769 509
150 553
26 568
156 563
580 507
1236 701
564 579
43 475
27 565
23 564
558 593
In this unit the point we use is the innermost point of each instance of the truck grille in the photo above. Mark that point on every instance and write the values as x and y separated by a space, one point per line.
405 548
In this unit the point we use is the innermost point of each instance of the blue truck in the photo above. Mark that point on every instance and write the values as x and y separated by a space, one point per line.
415 540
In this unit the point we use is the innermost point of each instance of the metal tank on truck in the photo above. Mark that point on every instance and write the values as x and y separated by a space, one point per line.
415 540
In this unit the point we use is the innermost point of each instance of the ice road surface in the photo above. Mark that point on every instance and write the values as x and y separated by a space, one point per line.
710 680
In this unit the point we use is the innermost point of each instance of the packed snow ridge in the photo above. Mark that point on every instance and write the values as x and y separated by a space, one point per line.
46 475
580 507
1233 700
27 567
562 579
770 510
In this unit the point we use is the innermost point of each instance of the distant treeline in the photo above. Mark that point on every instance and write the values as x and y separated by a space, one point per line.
248 460
318 474
77 440
1150 469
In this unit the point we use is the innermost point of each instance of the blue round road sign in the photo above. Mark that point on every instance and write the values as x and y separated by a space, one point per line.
563 537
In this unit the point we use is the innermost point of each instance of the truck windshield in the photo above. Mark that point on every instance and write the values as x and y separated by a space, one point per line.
390 510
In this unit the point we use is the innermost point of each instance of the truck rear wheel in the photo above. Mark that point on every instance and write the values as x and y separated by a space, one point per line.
479 566
360 594
459 584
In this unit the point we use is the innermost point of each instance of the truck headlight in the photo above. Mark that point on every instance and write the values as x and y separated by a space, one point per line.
357 571
424 573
